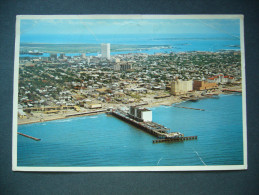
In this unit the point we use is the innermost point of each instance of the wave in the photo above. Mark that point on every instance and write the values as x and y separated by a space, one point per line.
93 117
62 121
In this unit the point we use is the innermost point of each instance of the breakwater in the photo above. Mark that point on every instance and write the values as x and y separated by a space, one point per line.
231 90
28 136
189 108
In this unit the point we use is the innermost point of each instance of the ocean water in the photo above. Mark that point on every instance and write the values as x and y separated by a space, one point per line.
179 43
102 140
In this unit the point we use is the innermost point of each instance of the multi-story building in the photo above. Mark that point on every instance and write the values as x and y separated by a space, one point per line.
143 114
83 56
105 50
122 66
53 56
203 85
62 56
179 87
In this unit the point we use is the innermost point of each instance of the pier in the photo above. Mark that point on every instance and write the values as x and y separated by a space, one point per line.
152 128
149 127
175 139
34 138
189 108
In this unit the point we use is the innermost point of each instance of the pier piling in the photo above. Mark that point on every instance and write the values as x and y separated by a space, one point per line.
175 139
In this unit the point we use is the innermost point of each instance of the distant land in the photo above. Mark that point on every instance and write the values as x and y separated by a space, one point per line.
83 48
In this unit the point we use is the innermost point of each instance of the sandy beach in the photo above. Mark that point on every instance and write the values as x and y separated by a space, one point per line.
37 117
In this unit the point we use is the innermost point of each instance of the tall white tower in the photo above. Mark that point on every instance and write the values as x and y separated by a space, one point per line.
105 49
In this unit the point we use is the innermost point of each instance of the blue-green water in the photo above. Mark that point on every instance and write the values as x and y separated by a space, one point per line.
103 140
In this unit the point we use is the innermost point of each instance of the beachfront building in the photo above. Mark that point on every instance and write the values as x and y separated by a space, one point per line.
143 114
21 113
105 50
179 87
203 85
95 105
220 78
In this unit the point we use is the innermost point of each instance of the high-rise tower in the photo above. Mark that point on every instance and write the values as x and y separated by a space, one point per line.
105 49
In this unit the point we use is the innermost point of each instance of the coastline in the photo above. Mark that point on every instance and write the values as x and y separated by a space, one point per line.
54 117
168 101
50 117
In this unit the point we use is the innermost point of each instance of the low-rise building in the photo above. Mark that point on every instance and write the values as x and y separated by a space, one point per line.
21 113
220 78
93 106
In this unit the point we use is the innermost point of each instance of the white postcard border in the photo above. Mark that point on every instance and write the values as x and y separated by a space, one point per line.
126 168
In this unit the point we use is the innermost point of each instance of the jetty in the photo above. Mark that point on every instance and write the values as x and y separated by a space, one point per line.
189 108
175 139
211 95
194 99
148 126
34 138
142 104
86 113
161 96
231 90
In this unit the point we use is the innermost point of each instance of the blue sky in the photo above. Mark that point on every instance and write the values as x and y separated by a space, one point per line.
127 26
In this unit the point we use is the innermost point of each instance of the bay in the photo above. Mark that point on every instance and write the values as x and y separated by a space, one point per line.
177 42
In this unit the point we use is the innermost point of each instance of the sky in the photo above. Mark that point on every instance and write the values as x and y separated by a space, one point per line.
126 26
97 27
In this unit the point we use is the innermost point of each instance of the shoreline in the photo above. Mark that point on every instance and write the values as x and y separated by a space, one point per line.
165 102
169 101
57 118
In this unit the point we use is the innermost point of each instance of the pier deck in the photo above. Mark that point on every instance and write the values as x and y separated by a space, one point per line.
149 127
152 128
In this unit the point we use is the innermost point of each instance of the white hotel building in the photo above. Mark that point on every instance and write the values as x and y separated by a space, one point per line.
105 50
141 113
